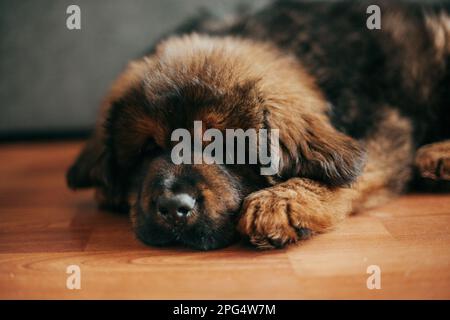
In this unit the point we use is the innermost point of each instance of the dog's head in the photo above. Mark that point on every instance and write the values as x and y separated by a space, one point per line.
223 84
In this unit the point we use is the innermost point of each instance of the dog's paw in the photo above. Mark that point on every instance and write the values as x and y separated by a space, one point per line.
267 218
433 161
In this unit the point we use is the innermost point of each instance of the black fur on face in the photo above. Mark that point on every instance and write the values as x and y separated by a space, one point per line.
211 221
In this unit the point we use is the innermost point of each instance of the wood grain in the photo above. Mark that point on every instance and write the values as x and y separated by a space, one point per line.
44 227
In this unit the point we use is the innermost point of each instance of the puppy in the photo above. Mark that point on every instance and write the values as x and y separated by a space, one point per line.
353 108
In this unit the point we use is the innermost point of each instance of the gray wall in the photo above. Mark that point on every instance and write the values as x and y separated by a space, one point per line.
52 78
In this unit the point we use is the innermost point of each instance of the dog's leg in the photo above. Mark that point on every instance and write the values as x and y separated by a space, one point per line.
292 210
433 161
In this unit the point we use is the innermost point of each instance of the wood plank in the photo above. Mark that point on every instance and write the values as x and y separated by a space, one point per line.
44 227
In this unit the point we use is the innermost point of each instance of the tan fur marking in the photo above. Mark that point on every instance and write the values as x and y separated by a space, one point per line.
439 25
388 169
433 161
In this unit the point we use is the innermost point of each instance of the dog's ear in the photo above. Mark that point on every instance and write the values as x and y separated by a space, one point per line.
115 147
110 157
96 164
313 148
95 167
106 163
132 131
91 168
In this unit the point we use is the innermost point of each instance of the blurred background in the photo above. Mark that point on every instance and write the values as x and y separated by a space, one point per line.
52 79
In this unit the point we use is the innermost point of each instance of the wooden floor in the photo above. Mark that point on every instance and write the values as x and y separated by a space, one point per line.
44 228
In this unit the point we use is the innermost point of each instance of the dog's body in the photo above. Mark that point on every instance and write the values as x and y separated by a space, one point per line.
352 106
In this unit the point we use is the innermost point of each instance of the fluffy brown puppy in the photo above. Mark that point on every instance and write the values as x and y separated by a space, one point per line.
347 138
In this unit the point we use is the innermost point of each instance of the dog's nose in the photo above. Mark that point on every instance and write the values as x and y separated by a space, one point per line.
177 206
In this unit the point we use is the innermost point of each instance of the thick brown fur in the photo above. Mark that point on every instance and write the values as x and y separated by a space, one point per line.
343 147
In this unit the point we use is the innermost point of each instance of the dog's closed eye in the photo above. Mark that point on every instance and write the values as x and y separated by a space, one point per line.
150 147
